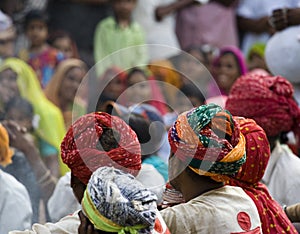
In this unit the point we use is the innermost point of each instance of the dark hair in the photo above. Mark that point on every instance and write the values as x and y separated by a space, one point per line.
191 90
35 15
57 35
136 70
21 104
108 140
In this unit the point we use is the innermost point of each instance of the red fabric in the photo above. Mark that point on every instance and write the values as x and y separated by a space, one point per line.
79 152
272 217
266 99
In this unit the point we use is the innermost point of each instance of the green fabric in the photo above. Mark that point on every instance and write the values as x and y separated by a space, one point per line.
46 149
51 125
102 223
257 48
110 38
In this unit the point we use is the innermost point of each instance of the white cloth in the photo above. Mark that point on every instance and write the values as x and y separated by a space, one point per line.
282 175
161 33
67 225
152 180
15 206
62 202
222 210
256 9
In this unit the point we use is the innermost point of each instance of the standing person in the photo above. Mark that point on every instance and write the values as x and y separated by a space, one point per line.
40 56
206 148
269 101
273 218
116 202
15 206
18 79
120 32
160 35
62 89
253 20
198 24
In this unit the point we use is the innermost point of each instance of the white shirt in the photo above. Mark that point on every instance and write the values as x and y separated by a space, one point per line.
255 9
223 210
15 206
282 175
161 33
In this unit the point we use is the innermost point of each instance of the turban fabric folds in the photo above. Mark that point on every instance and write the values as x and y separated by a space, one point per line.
208 139
266 99
5 152
81 152
272 217
115 202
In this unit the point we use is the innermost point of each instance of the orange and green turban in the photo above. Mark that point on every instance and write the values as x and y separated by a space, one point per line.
209 141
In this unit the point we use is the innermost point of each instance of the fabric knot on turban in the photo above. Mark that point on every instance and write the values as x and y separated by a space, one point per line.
6 152
266 99
81 152
115 202
208 139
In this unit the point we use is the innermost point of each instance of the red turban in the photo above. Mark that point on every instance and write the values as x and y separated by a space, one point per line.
272 217
79 147
266 99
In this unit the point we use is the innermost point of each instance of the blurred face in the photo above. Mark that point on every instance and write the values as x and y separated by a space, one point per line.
64 45
139 89
123 8
70 84
227 71
19 117
37 32
114 88
7 46
8 85
256 61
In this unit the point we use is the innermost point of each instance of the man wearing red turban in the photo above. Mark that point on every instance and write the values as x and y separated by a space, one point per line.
269 101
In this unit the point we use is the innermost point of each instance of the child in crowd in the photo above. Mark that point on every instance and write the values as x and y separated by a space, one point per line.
119 32
63 42
40 55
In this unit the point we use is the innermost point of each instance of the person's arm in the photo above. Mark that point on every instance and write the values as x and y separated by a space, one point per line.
18 140
285 17
293 212
260 25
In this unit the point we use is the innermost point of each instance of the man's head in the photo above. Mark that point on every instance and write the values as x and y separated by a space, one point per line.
99 139
266 99
208 142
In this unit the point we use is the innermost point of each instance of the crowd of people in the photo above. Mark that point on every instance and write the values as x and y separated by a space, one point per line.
148 116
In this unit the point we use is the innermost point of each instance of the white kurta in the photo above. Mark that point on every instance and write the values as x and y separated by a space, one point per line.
282 175
15 206
225 210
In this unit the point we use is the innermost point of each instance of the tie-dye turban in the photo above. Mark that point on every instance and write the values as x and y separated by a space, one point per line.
5 152
116 202
272 217
266 99
208 140
81 152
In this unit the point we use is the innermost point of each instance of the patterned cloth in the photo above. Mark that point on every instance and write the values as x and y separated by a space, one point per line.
208 139
80 149
115 202
266 99
5 152
273 219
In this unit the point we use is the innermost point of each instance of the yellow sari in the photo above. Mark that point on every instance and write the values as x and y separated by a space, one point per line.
51 125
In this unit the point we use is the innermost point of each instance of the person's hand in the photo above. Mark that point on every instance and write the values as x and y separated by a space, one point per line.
160 13
85 227
16 134
278 20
